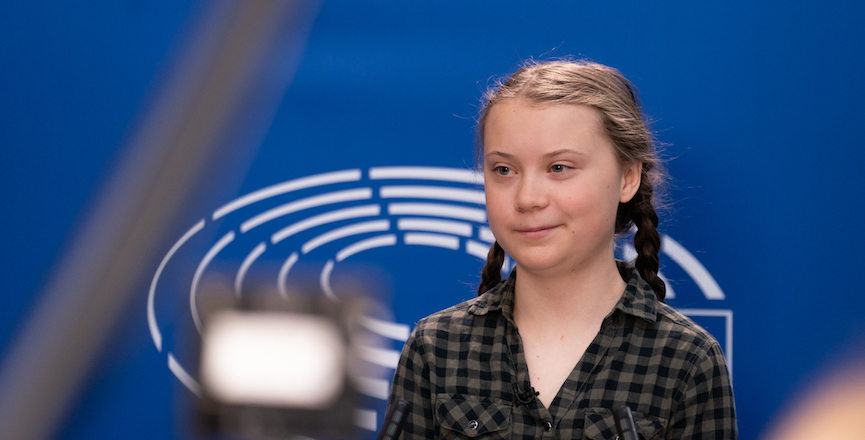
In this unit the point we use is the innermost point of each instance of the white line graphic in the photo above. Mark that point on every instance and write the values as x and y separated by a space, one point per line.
183 376
477 249
629 254
222 243
289 186
429 173
446 226
151 312
486 234
247 262
324 280
283 274
369 243
379 356
345 231
309 202
366 419
339 215
378 388
693 267
438 210
390 330
321 219
437 240
433 192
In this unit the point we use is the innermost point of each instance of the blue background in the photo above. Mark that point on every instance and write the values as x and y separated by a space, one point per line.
759 104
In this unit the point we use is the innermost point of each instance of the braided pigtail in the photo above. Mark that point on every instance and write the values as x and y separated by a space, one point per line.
491 275
647 240
580 82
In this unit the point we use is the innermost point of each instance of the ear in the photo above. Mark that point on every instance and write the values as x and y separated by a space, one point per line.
631 179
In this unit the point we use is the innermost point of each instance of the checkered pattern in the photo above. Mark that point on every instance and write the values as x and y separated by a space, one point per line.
465 373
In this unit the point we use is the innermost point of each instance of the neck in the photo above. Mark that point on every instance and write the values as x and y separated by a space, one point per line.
586 294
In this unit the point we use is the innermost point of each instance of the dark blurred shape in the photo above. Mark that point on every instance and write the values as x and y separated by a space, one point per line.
273 367
238 61
394 421
625 425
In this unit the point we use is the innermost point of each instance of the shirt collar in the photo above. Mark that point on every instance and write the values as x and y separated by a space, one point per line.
638 299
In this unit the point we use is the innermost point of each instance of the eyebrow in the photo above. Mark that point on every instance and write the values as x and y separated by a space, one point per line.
551 154
563 151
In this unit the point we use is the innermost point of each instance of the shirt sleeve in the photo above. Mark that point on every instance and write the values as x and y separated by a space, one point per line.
411 383
706 409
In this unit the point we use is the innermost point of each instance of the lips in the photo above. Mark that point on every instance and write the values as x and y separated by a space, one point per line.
536 232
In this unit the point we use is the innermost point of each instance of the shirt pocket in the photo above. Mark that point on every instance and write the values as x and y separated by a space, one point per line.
600 425
461 416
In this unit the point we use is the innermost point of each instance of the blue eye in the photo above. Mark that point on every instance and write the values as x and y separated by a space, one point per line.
502 171
557 168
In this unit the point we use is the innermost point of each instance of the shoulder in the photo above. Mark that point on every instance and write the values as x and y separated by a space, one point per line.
456 319
685 341
671 334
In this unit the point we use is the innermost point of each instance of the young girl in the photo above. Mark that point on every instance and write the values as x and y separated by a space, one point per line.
572 334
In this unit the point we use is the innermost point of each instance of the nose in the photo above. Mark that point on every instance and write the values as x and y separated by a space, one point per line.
531 193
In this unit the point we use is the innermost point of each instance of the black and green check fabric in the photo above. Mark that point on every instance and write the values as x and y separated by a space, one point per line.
464 371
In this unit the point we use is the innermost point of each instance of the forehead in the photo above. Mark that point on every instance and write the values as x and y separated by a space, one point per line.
521 124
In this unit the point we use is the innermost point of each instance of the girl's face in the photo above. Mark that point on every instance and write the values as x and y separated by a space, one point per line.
553 185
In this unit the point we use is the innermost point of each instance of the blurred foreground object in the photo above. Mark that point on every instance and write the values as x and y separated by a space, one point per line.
235 67
275 367
832 409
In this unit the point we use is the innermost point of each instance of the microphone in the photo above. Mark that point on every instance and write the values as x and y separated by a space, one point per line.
395 420
625 425
525 397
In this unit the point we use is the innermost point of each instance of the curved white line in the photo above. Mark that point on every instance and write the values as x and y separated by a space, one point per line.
390 330
222 243
477 249
428 173
437 240
345 231
369 243
366 419
324 280
447 226
693 267
328 217
373 387
309 202
629 254
183 376
151 312
433 192
289 186
379 356
283 274
244 267
438 210
486 234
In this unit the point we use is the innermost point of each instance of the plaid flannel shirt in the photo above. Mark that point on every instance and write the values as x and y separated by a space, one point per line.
464 371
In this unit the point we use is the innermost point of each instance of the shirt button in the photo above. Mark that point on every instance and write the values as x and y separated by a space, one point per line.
473 424
549 426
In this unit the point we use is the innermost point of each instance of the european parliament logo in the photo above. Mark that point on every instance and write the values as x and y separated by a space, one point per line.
419 233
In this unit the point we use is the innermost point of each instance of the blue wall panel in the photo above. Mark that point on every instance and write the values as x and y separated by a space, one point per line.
759 106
